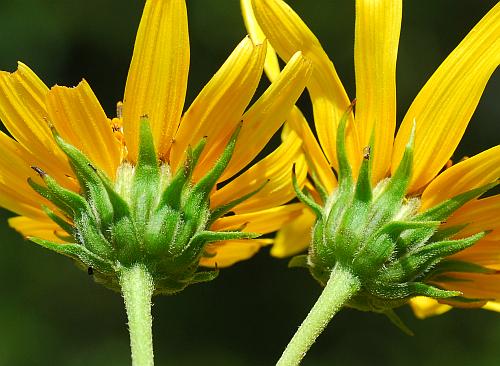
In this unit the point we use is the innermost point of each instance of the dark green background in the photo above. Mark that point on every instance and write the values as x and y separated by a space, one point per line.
51 313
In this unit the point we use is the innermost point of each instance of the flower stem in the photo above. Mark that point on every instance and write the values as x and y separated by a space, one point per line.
137 290
341 286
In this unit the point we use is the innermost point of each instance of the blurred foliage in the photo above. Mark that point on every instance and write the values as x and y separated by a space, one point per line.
51 313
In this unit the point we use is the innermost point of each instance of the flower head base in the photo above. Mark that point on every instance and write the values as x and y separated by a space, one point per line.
146 217
380 236
131 189
390 214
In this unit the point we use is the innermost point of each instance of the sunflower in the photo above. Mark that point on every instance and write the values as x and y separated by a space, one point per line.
137 197
389 212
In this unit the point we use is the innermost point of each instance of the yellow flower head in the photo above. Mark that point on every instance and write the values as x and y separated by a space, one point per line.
131 188
458 252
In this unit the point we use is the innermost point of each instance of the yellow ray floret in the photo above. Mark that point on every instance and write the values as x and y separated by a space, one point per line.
290 34
157 79
37 116
445 105
437 120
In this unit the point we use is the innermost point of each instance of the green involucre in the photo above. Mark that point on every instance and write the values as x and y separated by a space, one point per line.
146 217
379 236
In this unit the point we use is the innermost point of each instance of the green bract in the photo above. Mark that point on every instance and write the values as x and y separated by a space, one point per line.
380 236
147 216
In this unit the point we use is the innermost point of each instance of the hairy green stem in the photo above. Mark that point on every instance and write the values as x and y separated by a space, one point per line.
137 290
341 286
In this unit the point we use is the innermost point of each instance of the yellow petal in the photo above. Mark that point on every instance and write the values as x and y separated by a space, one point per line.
295 236
227 253
157 78
446 103
492 305
268 113
495 234
314 155
15 193
38 228
276 168
313 152
485 252
80 120
23 112
474 285
271 65
479 215
10 200
472 173
288 34
217 110
378 24
424 307
262 222
313 192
